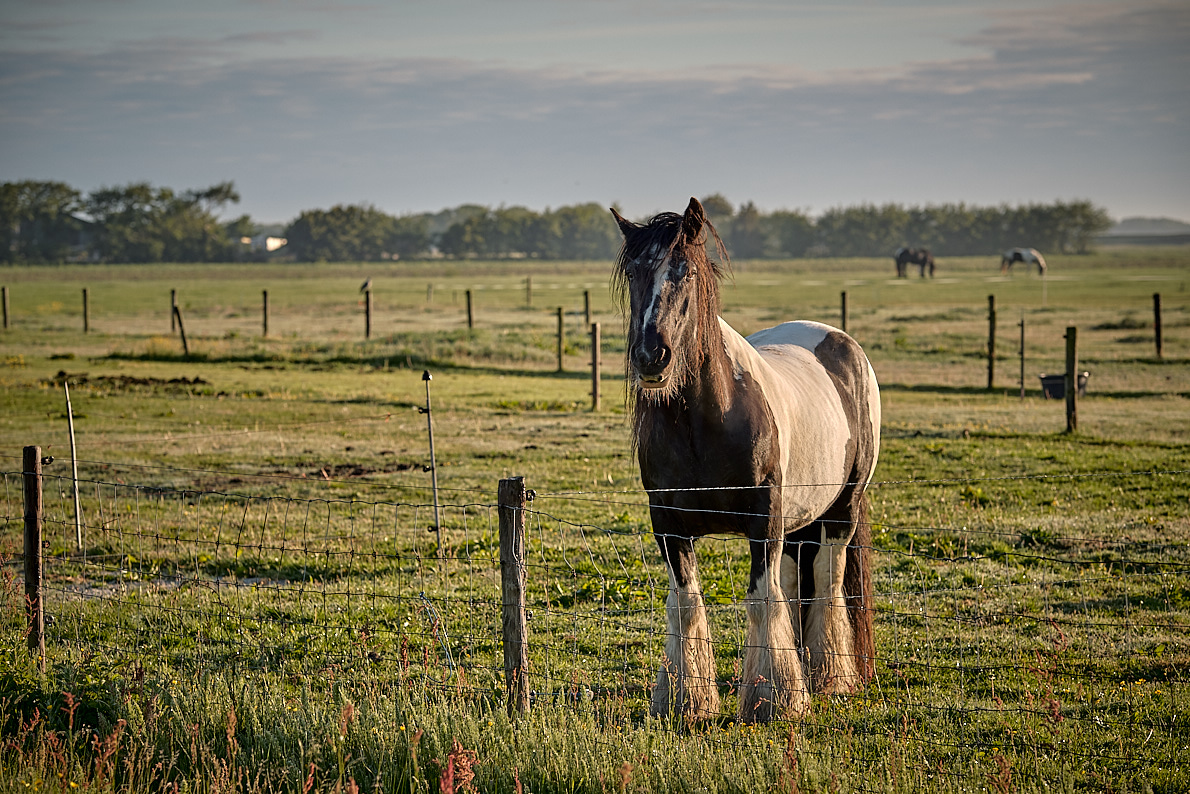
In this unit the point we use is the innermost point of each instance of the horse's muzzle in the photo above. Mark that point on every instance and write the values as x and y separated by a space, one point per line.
651 365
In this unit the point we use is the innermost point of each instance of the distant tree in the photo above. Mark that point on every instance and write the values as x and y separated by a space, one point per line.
37 221
790 233
344 233
718 208
409 236
747 237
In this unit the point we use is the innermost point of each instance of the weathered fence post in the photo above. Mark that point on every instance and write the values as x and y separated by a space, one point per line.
368 313
587 306
4 290
843 310
1071 379
470 316
34 569
1022 324
264 312
181 330
561 338
173 310
427 377
596 361
1157 321
528 291
991 342
86 311
74 472
429 294
512 498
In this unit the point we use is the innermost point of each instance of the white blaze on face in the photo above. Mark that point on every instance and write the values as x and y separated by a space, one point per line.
659 275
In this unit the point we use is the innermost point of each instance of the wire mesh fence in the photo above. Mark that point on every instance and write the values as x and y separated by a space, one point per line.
986 637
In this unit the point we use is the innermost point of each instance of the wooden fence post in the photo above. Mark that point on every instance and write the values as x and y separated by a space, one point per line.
86 311
470 316
587 306
181 329
1022 354
843 309
1071 379
596 361
429 294
512 499
173 310
561 338
4 290
34 569
264 312
1157 321
367 314
991 342
528 291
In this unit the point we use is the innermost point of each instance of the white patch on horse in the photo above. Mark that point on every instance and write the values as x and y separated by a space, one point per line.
811 443
688 682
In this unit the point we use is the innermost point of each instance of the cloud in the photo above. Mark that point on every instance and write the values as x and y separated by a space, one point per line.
1086 104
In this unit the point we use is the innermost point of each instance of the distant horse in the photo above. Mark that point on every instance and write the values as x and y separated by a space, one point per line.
773 437
1026 255
916 256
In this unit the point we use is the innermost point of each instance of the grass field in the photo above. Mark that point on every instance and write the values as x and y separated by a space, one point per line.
258 605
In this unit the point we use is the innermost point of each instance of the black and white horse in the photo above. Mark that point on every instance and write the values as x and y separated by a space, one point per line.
915 256
773 437
1030 256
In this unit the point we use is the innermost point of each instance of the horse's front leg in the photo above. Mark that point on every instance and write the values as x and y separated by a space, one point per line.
773 684
686 683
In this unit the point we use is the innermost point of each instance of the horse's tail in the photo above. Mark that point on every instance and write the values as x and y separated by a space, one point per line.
857 590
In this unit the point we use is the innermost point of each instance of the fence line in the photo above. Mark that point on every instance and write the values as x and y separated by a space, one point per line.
318 589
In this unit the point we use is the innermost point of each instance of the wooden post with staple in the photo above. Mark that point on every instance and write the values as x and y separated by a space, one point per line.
1157 321
264 313
181 330
173 310
596 362
34 568
561 338
74 472
86 311
991 342
1022 354
470 314
512 498
1071 379
367 314
843 310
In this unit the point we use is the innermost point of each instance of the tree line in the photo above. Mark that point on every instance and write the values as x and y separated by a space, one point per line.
53 222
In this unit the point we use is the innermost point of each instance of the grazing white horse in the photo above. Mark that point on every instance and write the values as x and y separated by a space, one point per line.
1030 256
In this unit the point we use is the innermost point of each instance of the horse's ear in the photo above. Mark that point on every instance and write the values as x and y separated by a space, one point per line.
625 225
693 220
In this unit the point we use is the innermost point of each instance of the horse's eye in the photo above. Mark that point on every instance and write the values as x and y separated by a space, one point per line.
629 275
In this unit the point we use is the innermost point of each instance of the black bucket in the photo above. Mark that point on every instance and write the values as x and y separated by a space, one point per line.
1053 387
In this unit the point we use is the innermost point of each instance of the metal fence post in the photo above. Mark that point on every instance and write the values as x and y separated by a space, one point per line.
34 570
512 498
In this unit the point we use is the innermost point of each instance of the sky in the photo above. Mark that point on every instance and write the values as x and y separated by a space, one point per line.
418 105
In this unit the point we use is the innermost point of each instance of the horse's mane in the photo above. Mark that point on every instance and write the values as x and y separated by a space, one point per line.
666 231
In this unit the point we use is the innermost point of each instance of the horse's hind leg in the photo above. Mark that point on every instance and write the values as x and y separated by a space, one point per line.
772 683
686 682
838 621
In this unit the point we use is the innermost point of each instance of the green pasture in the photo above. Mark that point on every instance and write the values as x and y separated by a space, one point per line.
259 601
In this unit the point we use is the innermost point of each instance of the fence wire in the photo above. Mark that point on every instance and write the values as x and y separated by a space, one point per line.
988 636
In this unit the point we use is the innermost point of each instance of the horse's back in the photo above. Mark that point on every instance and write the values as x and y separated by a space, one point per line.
824 398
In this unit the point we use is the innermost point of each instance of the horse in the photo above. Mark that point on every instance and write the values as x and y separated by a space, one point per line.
917 256
1026 255
773 437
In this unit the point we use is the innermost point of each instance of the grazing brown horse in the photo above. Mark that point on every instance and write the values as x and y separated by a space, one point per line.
1027 255
773 437
916 256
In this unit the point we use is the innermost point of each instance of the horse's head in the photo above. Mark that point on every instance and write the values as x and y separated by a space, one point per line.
670 291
